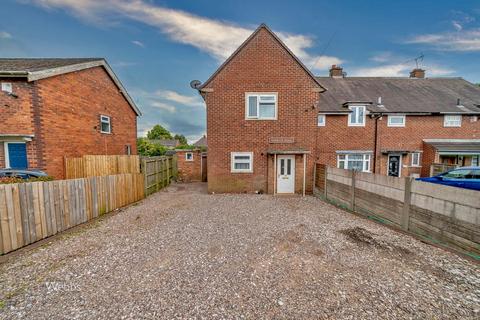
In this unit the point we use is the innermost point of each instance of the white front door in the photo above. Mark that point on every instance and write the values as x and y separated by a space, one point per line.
286 174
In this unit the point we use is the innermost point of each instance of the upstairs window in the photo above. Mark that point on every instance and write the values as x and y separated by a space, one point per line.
352 161
7 87
357 117
261 106
396 120
242 162
105 125
452 121
321 120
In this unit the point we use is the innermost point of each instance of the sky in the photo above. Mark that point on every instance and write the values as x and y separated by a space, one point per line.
157 47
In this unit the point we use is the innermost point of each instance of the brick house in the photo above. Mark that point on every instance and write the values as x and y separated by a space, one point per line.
269 119
52 108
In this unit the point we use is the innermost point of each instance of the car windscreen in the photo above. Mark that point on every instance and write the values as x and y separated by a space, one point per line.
457 174
474 174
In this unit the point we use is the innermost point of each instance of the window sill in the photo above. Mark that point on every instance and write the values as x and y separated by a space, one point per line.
105 132
261 119
241 171
356 125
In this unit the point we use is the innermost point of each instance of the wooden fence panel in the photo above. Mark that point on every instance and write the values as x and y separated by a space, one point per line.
159 172
33 211
101 165
443 213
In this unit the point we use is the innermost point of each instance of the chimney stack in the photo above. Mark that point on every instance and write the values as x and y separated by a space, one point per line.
336 72
417 73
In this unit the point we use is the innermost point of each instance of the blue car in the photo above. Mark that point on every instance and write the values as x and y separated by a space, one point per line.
465 177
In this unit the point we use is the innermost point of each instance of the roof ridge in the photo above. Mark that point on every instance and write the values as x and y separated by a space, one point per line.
395 78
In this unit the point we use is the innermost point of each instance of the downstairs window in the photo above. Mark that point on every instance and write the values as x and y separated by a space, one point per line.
242 162
354 161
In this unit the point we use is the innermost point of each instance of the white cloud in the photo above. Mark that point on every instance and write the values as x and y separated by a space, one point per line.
179 98
462 40
457 25
138 43
163 106
217 38
382 57
5 35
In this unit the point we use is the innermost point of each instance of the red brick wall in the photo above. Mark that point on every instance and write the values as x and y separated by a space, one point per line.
336 135
16 113
16 117
262 66
71 105
189 170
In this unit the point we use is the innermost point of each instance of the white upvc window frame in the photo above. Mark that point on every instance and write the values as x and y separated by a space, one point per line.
415 163
393 116
324 121
187 154
7 87
366 160
449 123
233 161
476 160
353 113
258 95
105 119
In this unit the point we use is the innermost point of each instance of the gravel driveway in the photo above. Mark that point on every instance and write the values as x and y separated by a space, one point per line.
182 253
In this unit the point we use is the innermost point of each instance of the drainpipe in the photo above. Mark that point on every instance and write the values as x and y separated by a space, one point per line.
375 143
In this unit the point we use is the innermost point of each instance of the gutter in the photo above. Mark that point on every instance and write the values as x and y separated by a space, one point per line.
19 74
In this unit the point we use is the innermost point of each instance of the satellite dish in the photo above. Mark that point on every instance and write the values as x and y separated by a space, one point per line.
195 84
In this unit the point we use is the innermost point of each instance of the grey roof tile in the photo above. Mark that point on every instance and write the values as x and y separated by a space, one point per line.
39 64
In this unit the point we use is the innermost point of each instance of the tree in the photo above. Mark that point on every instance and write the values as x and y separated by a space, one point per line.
159 132
181 138
149 149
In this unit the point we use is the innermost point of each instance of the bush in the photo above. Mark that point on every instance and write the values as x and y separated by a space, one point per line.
8 180
149 149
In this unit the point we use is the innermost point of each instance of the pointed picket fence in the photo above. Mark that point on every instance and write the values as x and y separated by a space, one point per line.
33 211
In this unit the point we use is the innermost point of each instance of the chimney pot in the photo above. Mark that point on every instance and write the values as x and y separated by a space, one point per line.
336 72
417 73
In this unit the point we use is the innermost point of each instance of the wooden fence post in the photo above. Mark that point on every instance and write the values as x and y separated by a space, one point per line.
145 175
352 190
407 200
157 176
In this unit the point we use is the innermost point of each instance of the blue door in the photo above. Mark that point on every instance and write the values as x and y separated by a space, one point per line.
17 155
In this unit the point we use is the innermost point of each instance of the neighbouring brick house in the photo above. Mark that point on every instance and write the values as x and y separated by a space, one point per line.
52 108
167 143
269 119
